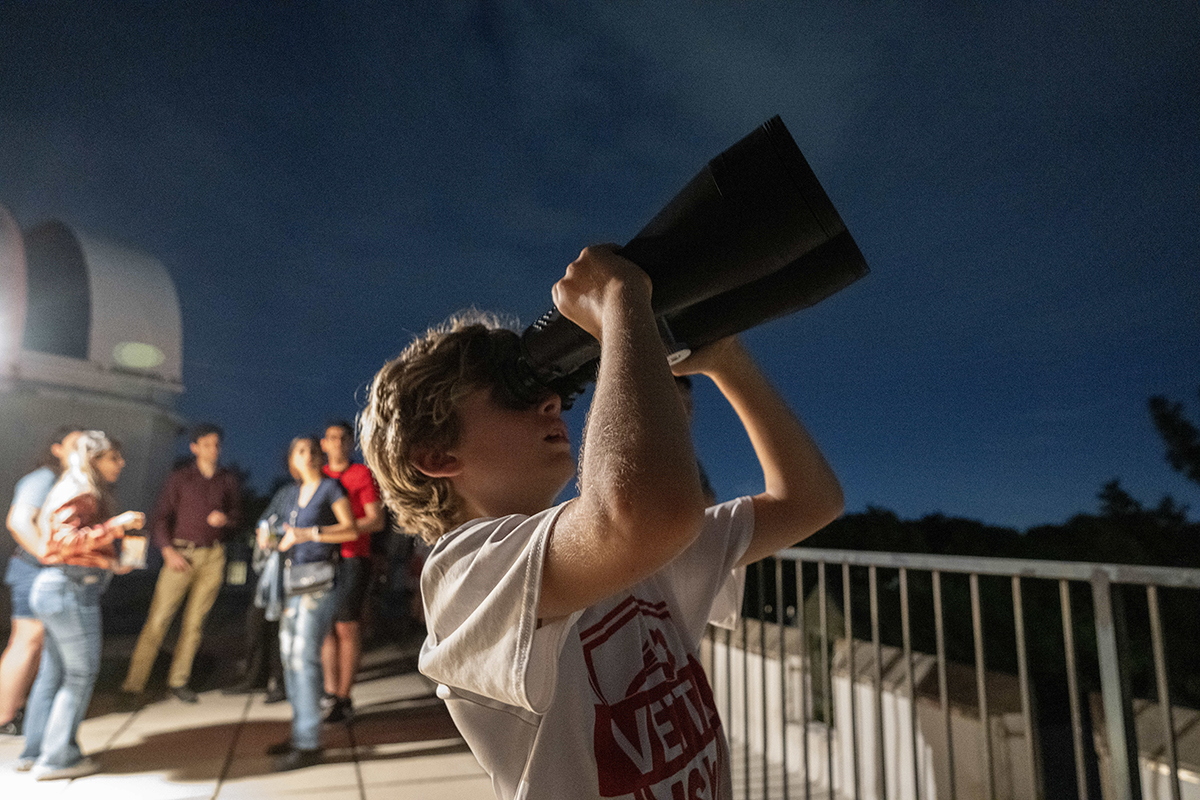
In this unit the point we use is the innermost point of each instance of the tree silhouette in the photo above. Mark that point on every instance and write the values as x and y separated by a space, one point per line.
1179 435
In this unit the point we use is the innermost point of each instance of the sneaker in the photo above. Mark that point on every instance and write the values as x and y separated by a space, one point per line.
298 759
185 694
275 694
341 710
327 700
13 726
82 767
280 748
25 764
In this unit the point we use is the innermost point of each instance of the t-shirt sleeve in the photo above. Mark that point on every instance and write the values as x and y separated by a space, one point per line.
365 488
704 580
32 489
481 587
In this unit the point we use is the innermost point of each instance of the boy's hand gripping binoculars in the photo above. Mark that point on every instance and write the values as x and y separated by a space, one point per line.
752 237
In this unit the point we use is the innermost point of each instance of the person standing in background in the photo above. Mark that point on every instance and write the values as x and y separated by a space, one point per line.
19 663
76 542
319 521
342 649
196 511
262 617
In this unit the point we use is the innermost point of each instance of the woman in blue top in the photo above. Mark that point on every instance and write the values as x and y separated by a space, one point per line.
318 520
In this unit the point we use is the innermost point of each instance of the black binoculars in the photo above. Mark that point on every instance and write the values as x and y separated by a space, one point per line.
751 238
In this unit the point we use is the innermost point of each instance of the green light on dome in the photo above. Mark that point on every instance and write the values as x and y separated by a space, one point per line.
138 355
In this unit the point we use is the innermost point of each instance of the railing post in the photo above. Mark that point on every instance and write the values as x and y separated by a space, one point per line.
910 682
1032 745
943 688
781 626
805 651
760 568
1164 690
826 674
1064 595
853 675
985 720
746 700
880 730
729 683
1118 715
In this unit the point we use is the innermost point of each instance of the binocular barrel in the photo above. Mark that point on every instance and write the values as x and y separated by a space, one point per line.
751 238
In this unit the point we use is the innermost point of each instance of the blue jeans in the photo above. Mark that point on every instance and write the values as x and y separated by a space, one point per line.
307 619
67 601
20 576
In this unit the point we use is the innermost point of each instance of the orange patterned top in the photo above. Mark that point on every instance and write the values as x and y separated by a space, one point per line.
78 536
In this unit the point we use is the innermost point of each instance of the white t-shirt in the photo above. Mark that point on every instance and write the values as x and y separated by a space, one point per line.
609 702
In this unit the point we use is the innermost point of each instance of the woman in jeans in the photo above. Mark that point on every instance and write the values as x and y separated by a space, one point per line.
77 532
19 662
318 520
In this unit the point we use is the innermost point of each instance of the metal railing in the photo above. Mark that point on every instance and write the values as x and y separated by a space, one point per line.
756 712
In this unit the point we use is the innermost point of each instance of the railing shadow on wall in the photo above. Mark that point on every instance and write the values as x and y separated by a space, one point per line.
885 702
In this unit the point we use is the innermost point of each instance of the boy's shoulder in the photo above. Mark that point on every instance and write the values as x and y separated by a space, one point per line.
493 539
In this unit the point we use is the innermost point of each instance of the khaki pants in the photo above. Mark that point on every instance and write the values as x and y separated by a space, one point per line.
200 585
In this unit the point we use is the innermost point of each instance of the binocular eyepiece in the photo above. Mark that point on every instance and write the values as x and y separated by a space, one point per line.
751 238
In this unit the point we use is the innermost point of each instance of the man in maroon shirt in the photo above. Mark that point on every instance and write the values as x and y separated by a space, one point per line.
342 648
199 505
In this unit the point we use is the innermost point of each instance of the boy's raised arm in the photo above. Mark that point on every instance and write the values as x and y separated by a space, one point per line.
639 500
802 494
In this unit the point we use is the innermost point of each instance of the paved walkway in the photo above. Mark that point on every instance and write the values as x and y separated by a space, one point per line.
401 743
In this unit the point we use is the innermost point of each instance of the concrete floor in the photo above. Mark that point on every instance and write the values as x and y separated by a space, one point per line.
401 743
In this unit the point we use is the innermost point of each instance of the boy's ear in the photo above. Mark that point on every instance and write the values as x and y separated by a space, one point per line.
436 463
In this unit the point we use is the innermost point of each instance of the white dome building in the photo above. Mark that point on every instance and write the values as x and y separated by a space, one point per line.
90 335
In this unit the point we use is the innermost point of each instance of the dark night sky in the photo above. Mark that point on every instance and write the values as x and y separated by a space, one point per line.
324 180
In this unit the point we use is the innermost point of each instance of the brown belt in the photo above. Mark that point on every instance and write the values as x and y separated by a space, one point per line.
188 546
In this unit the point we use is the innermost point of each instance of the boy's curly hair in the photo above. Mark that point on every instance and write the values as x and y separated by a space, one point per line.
413 403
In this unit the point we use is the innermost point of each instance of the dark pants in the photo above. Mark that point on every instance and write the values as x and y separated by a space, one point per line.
262 649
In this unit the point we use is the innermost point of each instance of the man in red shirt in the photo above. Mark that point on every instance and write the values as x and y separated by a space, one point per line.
342 648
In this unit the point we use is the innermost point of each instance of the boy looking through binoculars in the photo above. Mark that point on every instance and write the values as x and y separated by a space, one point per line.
565 637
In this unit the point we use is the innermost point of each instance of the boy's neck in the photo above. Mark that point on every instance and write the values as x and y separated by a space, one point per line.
480 508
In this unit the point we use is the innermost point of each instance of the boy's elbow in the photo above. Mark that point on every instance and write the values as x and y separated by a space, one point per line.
834 511
832 503
812 510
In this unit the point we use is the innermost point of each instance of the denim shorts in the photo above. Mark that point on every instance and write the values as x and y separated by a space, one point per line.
19 577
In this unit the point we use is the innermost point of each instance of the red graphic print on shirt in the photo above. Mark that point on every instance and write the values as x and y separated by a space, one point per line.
657 731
